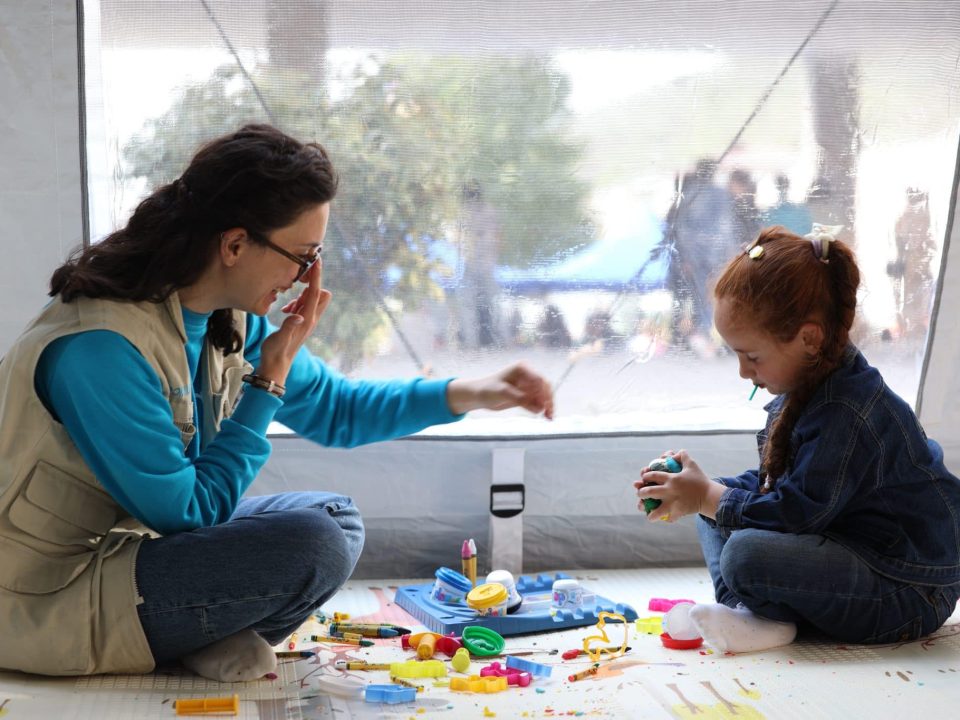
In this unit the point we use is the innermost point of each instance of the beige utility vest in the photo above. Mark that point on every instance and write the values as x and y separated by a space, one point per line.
68 597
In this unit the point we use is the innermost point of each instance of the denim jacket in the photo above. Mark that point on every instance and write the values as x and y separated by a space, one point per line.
863 473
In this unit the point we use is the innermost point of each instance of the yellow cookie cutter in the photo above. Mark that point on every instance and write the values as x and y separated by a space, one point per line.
604 640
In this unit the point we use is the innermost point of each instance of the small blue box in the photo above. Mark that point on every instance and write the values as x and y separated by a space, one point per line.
537 616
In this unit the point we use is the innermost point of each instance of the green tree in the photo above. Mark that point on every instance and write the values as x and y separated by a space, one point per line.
406 139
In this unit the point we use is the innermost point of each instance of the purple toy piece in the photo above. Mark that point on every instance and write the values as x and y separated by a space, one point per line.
513 676
664 605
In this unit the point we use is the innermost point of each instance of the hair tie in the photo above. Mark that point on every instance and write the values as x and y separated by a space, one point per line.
820 238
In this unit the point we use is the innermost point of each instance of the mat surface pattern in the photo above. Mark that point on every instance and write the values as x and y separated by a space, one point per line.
804 680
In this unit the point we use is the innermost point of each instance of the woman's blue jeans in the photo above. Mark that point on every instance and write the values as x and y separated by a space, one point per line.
817 582
267 568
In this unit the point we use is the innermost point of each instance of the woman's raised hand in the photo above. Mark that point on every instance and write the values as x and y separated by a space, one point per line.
303 312
514 386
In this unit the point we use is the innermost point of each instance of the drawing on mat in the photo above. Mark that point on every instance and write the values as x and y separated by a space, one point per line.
747 692
720 711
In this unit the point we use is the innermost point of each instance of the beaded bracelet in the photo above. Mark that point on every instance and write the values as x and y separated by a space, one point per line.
264 384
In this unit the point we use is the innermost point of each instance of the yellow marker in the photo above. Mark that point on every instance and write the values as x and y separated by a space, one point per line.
208 706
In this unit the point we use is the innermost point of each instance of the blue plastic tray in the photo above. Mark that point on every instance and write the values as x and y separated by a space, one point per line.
445 619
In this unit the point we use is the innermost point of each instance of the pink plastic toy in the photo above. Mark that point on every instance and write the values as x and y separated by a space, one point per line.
513 676
664 605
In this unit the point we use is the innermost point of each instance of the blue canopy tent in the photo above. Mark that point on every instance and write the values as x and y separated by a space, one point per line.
626 260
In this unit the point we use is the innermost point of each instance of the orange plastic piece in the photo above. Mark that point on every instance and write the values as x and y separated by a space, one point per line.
443 643
208 706
427 646
478 684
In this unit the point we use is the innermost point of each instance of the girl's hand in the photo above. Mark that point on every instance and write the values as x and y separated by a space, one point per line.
684 493
279 348
514 386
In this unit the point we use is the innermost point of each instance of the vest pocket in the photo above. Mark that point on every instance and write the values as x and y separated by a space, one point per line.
25 570
58 508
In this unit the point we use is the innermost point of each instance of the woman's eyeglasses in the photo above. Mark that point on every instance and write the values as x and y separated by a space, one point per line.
305 262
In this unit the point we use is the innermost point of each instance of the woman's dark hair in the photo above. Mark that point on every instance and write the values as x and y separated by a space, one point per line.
786 286
256 178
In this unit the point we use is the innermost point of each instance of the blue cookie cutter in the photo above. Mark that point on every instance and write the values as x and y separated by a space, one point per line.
391 694
534 668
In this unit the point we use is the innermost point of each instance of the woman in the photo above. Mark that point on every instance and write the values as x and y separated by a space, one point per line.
134 412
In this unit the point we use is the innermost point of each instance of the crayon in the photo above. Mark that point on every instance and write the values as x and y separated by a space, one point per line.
406 683
360 665
465 560
584 673
393 626
340 640
295 654
472 567
377 631
753 393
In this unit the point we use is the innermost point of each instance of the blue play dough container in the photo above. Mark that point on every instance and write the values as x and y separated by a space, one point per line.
450 587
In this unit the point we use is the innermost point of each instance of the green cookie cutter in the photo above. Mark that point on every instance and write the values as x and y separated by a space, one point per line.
482 641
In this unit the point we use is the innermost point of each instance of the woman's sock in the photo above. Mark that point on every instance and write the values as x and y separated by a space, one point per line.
241 656
738 630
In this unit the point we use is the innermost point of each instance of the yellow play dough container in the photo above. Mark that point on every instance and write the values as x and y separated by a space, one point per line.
489 599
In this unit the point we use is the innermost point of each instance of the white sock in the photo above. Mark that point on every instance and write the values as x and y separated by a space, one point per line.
235 658
739 630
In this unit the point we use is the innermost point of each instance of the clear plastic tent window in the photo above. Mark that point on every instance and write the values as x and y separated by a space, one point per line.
557 181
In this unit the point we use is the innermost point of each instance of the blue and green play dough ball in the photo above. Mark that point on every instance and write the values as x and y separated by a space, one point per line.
667 464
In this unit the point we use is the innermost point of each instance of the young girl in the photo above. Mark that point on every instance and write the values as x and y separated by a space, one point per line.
851 524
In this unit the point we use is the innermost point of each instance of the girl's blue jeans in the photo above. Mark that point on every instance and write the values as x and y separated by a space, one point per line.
817 582
267 568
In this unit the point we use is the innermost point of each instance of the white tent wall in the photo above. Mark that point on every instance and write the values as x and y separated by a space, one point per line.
420 496
939 396
41 186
